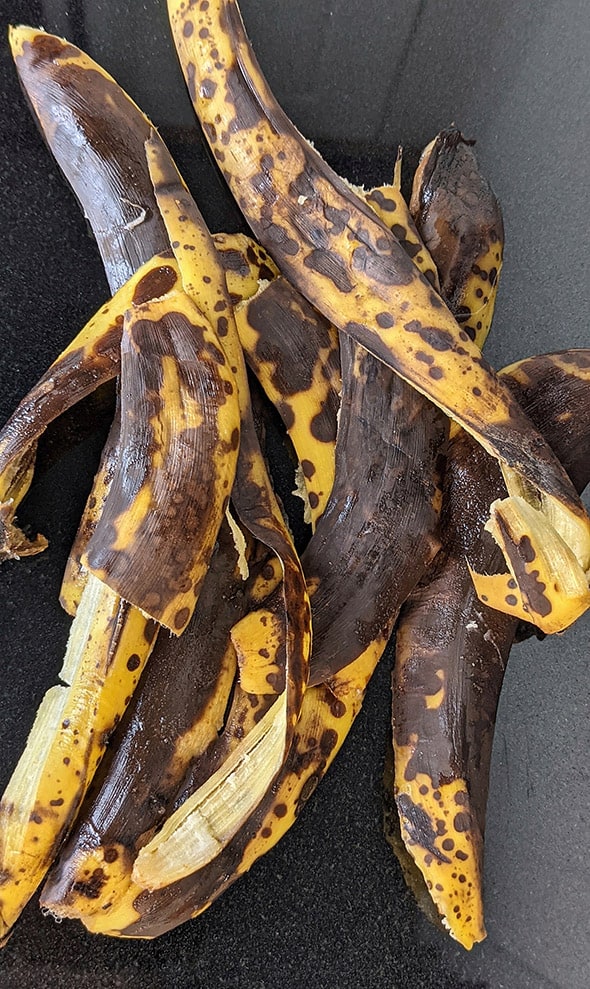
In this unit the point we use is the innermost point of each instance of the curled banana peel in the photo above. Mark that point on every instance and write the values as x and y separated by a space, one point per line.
546 584
348 264
172 723
91 359
252 495
452 651
179 440
187 417
460 222
327 713
108 646
459 216
76 102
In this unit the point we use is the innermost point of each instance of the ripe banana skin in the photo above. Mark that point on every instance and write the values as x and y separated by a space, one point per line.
173 721
248 489
376 418
110 640
69 93
386 564
327 713
75 574
293 352
179 445
460 222
350 266
452 652
252 495
90 360
108 647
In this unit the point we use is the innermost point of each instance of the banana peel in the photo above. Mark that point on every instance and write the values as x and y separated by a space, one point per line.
293 351
460 221
348 264
108 647
173 721
452 651
90 360
179 447
252 495
109 643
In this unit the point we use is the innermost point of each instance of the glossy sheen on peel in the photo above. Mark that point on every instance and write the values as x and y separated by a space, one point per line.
348 264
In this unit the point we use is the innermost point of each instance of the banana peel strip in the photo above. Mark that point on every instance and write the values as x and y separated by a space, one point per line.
171 725
108 647
293 352
252 495
90 360
75 574
179 441
452 652
348 264
460 221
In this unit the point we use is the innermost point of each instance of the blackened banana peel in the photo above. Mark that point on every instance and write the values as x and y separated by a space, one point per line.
110 639
452 652
350 266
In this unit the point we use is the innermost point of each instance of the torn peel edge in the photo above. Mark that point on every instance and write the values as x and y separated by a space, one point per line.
199 830
535 554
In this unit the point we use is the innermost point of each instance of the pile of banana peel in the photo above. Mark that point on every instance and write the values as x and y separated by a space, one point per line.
212 673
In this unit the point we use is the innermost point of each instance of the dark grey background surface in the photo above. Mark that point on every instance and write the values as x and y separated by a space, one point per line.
327 907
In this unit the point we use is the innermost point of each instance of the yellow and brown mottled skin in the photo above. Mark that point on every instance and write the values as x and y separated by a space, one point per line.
173 719
179 446
75 574
452 652
327 713
333 248
389 205
105 126
448 192
253 496
245 264
377 405
293 351
351 538
114 654
92 358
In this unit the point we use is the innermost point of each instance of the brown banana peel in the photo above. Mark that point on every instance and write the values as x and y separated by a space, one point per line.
108 646
110 640
90 360
348 264
179 446
460 222
452 652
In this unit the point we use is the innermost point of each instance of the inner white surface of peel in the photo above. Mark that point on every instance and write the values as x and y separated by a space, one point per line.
199 830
